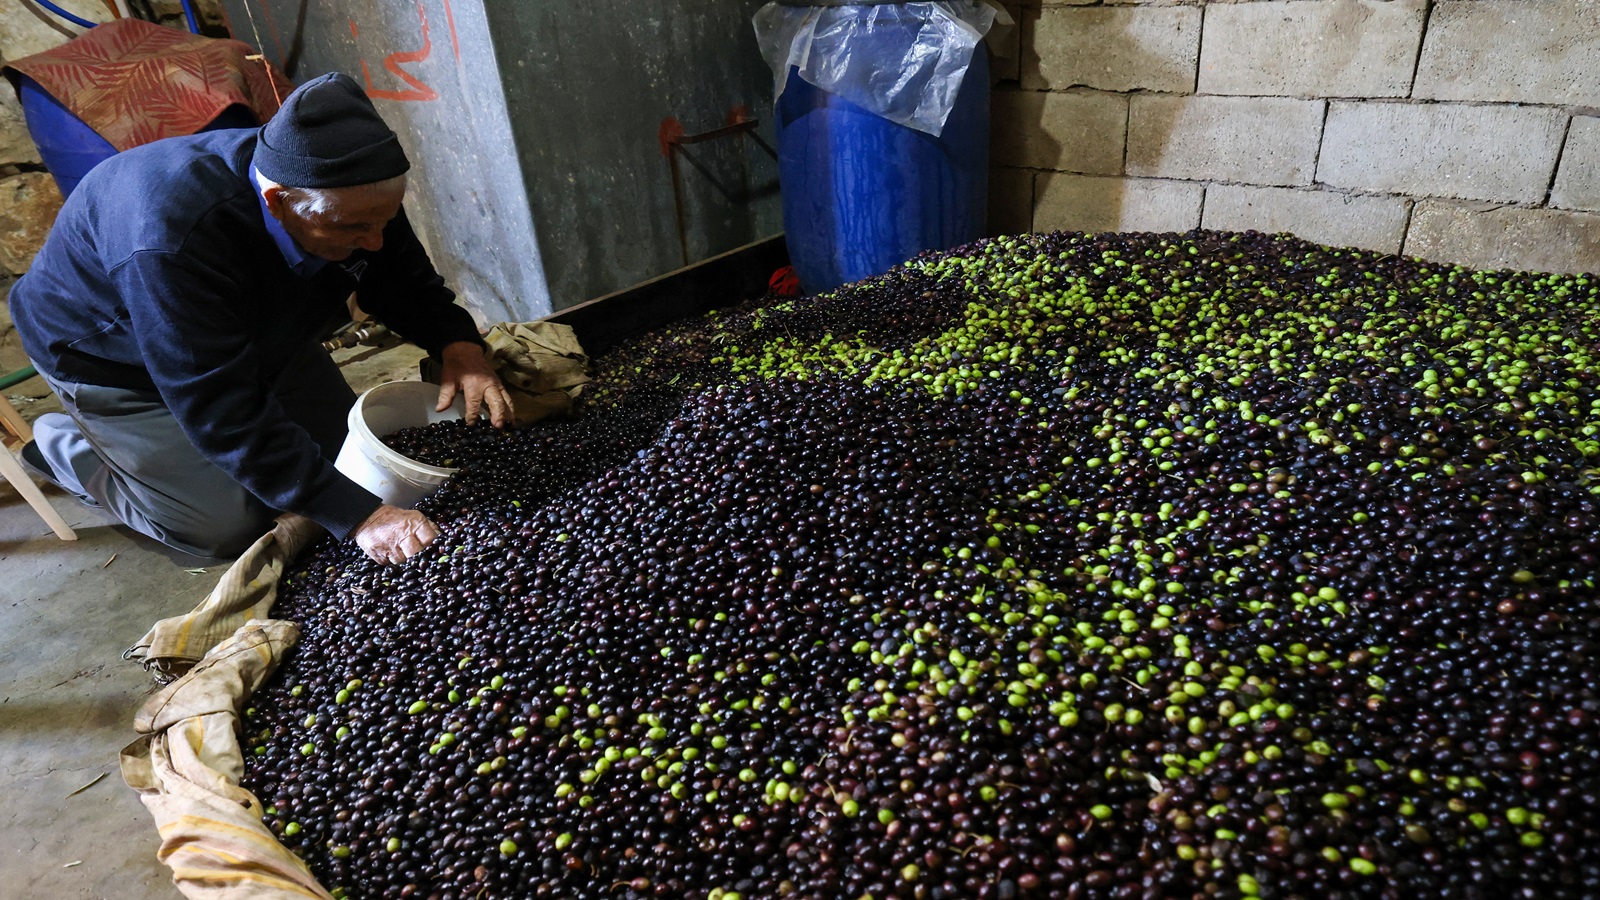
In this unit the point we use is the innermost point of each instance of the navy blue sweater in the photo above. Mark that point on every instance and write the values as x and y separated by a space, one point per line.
160 274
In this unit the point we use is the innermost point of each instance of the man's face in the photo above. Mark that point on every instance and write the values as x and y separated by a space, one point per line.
355 221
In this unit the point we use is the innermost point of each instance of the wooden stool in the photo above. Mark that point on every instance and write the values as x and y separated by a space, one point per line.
11 470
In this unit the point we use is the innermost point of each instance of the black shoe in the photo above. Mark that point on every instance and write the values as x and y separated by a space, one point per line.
33 460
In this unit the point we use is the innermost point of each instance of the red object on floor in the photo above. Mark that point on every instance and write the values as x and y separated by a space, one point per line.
135 82
784 282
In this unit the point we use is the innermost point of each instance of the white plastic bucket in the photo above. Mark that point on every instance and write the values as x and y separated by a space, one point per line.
399 480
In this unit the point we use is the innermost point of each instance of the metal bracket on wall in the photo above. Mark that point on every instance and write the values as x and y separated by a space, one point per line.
673 140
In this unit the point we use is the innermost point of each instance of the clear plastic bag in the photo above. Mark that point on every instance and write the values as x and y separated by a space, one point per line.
902 61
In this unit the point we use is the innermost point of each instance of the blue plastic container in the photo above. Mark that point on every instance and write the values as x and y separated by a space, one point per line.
862 194
71 148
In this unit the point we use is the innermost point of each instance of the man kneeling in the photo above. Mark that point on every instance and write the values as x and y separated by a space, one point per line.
176 306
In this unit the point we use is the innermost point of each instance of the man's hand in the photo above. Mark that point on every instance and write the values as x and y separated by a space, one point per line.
393 535
466 371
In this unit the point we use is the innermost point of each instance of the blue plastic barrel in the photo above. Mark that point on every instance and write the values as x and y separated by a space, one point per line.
862 194
71 148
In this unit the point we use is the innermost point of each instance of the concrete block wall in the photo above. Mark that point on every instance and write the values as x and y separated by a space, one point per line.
1463 131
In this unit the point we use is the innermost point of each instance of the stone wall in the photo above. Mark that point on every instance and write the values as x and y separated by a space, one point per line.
1464 131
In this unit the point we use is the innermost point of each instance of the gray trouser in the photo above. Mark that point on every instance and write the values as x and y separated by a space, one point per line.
123 450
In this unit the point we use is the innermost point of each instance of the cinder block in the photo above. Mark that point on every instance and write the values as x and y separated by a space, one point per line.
1089 203
1512 51
1010 201
1076 131
1491 237
1505 153
1322 217
1342 48
1261 140
1151 48
1578 180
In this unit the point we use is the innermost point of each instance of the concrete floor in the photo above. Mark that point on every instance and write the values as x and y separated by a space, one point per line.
67 698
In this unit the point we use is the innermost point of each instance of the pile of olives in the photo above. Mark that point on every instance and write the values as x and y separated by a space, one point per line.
1058 565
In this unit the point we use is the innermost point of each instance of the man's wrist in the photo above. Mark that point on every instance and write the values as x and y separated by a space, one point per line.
462 347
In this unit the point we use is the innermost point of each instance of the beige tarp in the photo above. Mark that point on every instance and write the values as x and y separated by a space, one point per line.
247 591
542 366
187 762
186 767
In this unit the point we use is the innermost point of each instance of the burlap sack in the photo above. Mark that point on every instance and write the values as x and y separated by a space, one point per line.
186 766
187 763
541 364
247 591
